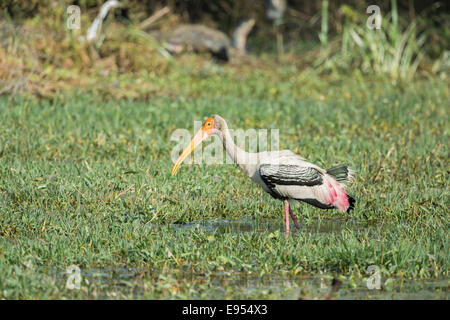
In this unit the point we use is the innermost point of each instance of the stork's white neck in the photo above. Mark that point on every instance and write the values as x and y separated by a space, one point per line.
244 160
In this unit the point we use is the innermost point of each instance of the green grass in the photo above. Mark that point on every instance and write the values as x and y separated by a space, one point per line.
87 182
396 50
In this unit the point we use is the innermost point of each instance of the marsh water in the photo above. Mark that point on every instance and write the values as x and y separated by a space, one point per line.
130 283
252 225
119 280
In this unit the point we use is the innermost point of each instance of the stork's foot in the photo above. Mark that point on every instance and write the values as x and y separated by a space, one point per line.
293 218
287 209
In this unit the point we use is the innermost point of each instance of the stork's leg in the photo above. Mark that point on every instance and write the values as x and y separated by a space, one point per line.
293 218
286 216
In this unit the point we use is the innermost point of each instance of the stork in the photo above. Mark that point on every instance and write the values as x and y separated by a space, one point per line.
283 174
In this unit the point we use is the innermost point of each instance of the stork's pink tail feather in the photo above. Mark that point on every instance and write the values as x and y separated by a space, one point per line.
336 195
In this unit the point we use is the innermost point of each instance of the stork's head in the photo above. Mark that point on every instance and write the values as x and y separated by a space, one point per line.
212 125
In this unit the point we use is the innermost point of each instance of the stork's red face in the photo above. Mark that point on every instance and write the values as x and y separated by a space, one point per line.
205 131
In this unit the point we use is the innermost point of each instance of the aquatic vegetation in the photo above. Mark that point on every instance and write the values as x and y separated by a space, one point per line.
86 181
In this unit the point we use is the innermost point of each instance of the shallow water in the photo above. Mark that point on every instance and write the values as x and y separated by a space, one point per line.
320 287
263 225
130 283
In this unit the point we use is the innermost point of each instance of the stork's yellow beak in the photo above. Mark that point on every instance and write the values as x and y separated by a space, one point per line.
199 137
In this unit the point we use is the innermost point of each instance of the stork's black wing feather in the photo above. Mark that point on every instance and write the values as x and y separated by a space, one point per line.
288 175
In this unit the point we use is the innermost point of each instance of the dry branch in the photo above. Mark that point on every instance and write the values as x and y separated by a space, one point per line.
154 17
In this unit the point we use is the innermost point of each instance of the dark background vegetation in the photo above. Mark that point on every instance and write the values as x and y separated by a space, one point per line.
39 55
302 19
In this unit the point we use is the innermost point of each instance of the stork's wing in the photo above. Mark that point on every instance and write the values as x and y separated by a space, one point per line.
275 175
304 182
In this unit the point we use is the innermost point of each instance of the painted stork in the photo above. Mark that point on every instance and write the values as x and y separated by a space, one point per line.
283 174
